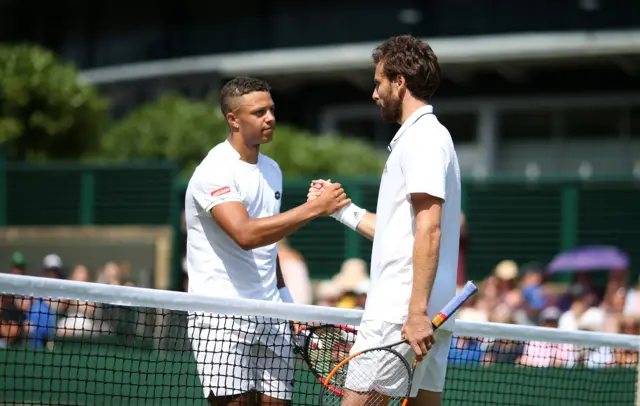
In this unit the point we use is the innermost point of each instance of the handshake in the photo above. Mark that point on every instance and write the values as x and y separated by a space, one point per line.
328 198
331 200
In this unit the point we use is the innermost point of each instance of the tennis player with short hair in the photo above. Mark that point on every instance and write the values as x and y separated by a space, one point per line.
233 219
416 228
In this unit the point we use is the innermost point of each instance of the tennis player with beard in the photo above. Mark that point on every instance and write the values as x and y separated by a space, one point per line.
416 228
233 219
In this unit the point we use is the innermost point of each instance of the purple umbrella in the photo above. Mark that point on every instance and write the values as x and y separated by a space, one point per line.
589 258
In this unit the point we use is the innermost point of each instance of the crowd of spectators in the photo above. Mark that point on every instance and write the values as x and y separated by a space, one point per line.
37 321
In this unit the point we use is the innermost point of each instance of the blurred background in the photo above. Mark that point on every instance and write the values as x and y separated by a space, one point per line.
105 112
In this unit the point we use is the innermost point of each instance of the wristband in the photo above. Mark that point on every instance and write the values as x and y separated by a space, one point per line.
350 215
285 295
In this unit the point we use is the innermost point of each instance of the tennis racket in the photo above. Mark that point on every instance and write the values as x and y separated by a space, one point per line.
380 376
323 346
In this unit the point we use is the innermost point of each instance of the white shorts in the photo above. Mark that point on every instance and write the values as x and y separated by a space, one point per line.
236 355
429 374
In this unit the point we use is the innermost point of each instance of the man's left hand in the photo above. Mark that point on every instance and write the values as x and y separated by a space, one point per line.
418 331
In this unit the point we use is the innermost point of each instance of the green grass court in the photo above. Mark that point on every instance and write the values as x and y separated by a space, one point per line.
108 374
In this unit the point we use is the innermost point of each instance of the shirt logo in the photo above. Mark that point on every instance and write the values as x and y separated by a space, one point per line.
222 191
278 195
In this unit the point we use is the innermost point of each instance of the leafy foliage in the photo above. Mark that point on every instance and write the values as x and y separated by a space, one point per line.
45 111
184 130
299 152
171 127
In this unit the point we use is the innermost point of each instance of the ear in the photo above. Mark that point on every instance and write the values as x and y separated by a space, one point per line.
232 121
400 82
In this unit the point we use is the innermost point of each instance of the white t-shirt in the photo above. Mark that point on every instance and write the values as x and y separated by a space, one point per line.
422 159
216 265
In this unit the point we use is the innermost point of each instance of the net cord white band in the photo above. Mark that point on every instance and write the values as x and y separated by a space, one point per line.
142 297
164 299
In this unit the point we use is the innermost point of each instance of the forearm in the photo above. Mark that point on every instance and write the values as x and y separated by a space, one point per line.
264 231
426 249
367 226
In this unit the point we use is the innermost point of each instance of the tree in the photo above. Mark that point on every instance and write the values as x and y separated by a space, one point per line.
300 152
184 130
172 127
45 111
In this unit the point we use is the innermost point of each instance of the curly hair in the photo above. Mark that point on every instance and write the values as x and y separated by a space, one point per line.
240 86
412 59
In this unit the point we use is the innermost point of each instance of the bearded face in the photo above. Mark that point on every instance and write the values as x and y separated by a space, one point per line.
387 96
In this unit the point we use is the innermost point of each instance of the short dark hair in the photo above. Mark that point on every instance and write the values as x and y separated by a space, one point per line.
412 59
240 86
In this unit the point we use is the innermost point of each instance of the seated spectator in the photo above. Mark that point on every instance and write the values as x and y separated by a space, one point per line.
355 297
40 322
78 319
52 267
18 264
11 321
361 290
490 295
502 351
352 272
624 357
347 301
466 351
533 290
613 309
506 273
295 273
546 354
582 306
600 357
114 273
632 301
474 309
327 294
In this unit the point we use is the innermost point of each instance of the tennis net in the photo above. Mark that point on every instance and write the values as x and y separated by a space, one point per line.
75 343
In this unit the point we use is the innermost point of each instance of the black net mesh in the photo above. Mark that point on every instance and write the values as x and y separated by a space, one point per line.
68 352
512 372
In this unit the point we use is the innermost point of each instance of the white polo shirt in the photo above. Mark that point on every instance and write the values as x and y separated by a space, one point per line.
422 159
216 265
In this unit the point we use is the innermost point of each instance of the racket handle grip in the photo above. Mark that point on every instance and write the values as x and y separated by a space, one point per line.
467 291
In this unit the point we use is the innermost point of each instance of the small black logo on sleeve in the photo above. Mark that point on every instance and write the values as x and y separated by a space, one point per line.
278 195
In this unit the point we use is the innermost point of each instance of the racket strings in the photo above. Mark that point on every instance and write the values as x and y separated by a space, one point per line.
328 346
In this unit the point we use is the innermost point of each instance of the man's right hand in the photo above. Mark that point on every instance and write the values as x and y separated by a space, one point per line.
331 199
316 188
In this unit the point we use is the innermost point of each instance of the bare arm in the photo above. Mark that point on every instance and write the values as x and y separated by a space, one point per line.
426 248
250 233
367 226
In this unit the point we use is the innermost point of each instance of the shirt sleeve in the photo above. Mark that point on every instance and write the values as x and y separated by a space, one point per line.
215 187
424 166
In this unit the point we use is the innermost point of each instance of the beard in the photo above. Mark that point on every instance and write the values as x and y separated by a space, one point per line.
391 110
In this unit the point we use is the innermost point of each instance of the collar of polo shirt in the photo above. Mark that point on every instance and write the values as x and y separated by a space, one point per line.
422 111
